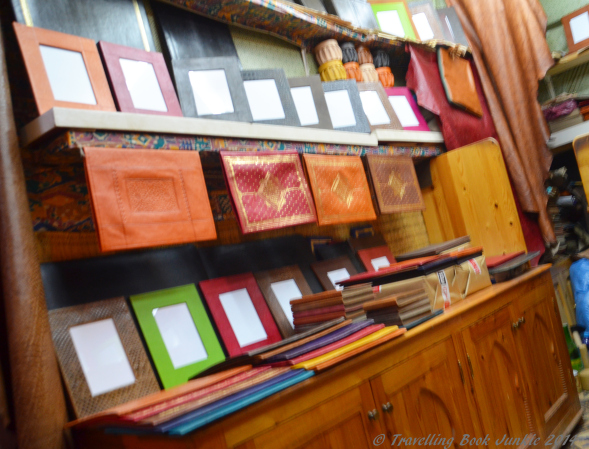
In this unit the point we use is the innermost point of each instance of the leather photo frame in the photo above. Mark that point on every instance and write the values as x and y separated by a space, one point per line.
576 29
277 283
325 271
350 87
313 84
85 374
240 312
382 8
373 258
236 105
377 107
410 120
144 198
112 54
451 26
77 50
277 83
427 20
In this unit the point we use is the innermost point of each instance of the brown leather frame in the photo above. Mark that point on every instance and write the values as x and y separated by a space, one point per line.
30 38
566 23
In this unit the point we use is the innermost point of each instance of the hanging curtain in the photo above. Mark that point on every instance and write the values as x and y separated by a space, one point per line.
508 43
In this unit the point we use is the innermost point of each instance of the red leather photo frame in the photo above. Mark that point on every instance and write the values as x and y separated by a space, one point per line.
31 39
367 256
112 55
222 296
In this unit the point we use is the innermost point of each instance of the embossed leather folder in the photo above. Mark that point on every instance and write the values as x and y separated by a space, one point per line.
269 189
395 184
340 189
145 198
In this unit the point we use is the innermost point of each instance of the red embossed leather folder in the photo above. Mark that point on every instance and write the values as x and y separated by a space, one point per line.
269 189
144 198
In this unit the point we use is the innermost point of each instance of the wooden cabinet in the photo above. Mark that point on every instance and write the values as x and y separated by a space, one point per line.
500 388
426 395
347 421
494 364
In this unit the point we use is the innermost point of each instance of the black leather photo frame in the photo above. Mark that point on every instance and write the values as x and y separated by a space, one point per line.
291 118
314 83
182 69
350 86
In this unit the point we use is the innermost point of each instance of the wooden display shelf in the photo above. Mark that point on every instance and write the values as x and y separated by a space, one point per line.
565 137
60 119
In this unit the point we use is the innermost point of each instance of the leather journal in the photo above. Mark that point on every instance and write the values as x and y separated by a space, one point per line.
395 184
145 198
340 189
458 81
269 189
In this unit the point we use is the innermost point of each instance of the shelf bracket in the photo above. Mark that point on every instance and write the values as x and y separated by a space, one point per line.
548 80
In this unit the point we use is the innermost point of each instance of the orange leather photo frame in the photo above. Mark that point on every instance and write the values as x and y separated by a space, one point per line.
580 14
30 39
145 198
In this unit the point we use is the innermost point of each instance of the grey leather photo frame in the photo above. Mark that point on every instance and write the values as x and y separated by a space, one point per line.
269 98
451 26
310 104
211 88
377 107
426 20
345 107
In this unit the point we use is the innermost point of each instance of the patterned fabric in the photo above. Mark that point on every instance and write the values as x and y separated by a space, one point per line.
269 190
340 189
281 19
56 185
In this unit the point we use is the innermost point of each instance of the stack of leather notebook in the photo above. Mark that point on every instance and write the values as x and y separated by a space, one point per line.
399 310
354 298
312 310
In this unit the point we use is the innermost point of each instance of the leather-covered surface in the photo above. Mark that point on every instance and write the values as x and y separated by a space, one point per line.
188 35
261 255
125 274
340 189
39 418
113 21
269 189
458 82
511 54
144 198
458 127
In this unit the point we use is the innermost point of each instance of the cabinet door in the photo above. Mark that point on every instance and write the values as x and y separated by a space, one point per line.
425 396
499 386
547 369
340 423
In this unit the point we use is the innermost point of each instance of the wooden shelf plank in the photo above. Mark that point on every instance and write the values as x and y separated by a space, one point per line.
567 135
60 119
569 62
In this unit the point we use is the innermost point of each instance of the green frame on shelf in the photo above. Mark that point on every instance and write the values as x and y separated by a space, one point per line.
143 306
401 8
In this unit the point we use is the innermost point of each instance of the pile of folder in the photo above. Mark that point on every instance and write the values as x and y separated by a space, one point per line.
311 310
399 310
354 298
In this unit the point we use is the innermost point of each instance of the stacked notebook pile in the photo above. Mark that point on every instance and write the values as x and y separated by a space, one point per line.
584 107
566 121
399 310
185 408
354 298
331 346
312 310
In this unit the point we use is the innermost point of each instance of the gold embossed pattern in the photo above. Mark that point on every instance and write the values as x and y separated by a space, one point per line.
269 190
340 189
151 195
395 184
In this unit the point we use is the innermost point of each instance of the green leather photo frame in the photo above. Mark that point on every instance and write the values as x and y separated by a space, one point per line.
388 21
178 333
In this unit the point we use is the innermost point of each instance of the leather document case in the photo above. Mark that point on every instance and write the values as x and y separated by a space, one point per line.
340 189
395 184
144 198
458 81
269 189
